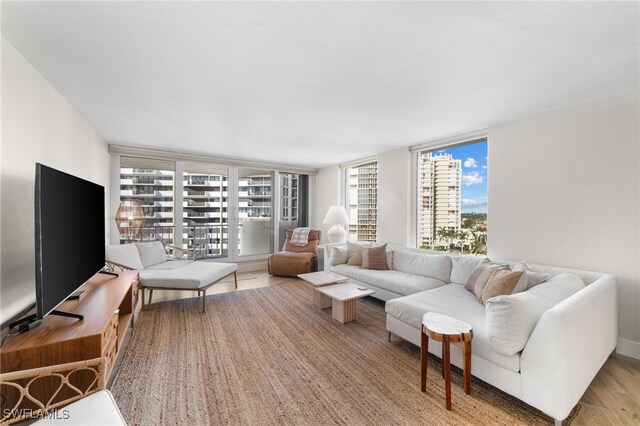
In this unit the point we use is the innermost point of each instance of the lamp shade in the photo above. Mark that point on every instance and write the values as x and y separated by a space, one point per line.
336 215
129 219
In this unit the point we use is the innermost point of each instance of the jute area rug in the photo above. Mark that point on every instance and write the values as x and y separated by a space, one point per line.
267 356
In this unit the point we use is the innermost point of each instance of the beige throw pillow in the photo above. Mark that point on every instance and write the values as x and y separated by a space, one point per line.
483 278
502 282
375 258
354 253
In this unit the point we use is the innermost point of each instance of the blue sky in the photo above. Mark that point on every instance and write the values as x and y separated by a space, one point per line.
474 175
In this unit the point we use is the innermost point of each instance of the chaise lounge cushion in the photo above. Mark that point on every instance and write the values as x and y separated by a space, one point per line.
453 300
192 276
151 253
170 264
125 254
395 281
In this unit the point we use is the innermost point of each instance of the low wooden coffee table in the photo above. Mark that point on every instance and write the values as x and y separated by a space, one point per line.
319 279
343 300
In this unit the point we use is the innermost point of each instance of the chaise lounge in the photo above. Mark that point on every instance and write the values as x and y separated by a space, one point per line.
165 267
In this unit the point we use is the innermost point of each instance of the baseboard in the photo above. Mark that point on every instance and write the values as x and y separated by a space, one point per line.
628 348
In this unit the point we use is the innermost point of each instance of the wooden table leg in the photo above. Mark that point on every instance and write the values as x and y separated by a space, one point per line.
442 360
424 356
467 367
447 371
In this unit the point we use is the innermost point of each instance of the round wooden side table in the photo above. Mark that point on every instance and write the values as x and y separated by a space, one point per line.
445 329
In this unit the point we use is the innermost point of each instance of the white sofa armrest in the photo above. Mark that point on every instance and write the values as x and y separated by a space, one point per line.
568 347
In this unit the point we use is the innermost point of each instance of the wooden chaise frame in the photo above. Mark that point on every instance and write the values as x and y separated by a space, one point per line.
178 253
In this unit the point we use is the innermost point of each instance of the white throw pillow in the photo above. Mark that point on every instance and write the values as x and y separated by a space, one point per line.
151 253
463 266
435 266
339 256
511 319
390 259
533 278
125 254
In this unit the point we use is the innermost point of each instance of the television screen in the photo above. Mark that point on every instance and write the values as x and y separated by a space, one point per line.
70 235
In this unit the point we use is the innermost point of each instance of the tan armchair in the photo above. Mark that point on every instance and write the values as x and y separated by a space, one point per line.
295 260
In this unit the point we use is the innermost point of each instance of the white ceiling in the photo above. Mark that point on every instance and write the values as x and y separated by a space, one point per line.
314 84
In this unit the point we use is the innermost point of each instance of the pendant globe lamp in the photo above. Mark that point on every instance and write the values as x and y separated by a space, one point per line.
336 216
129 219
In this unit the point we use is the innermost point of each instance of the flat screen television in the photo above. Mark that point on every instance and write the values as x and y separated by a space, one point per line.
69 235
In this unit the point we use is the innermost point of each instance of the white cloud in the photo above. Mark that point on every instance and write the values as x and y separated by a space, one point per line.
472 178
474 202
470 162
484 167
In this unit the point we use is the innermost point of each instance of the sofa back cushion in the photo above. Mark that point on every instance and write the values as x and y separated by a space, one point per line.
434 266
124 254
151 253
511 319
463 266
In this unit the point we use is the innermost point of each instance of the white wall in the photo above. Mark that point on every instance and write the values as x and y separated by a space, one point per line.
394 197
38 125
564 190
328 192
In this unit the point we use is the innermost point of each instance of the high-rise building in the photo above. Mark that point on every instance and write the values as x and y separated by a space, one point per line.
152 184
363 202
439 203
204 206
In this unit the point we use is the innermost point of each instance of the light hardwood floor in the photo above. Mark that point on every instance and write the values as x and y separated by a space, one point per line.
613 398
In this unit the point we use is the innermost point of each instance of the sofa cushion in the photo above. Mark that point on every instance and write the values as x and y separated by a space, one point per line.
125 254
151 253
375 258
463 266
394 281
511 319
503 282
172 264
452 300
193 276
427 265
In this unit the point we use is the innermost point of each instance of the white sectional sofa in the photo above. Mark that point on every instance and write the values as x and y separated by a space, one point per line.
543 346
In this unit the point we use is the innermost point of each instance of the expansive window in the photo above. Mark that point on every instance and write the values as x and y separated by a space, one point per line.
205 209
220 211
255 207
452 198
151 182
362 199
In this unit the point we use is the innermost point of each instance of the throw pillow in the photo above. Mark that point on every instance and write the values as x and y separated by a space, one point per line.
502 282
533 278
511 319
480 277
462 267
339 256
375 258
354 253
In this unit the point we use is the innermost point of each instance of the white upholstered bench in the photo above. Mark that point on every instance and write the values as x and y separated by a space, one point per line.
156 271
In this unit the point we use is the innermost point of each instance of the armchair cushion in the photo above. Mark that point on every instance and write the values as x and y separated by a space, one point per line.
291 264
314 240
151 253
125 254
